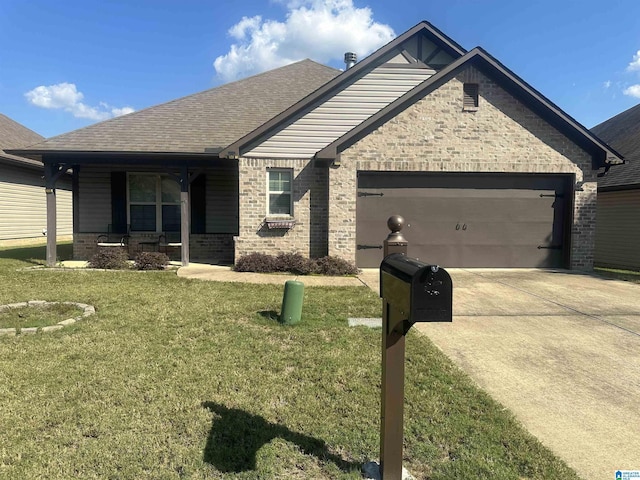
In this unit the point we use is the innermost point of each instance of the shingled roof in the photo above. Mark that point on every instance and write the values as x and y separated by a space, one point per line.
210 119
622 132
14 135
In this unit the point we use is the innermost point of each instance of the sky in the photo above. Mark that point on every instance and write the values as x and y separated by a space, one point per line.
67 64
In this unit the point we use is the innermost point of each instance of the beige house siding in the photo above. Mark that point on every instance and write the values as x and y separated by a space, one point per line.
436 135
23 205
618 230
361 97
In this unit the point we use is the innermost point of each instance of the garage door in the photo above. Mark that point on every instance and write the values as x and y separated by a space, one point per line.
462 220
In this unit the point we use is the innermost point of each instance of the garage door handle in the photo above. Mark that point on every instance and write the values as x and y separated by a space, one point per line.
369 247
550 247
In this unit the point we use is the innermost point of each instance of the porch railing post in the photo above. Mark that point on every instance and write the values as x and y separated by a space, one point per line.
184 215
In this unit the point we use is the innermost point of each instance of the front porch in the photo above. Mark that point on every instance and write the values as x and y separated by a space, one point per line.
148 198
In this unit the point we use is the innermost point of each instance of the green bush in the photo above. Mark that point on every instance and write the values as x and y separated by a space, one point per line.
110 259
151 261
294 263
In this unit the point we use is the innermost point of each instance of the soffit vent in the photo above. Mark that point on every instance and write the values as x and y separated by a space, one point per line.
470 96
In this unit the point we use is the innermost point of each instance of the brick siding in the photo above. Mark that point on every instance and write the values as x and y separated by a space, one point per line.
309 235
436 135
211 247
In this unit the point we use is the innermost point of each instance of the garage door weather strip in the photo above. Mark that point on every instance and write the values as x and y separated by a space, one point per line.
595 317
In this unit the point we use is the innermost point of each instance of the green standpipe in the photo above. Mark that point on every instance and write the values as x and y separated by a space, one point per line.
291 311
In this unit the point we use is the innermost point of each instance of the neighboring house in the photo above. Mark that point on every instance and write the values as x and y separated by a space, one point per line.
486 171
23 212
618 214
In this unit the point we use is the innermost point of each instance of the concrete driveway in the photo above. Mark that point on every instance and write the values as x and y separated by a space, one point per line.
561 350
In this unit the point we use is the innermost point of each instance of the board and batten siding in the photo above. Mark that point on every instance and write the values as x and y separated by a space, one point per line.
618 230
342 112
222 199
23 204
94 193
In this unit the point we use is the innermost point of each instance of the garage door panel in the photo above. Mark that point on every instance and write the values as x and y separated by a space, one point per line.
462 203
470 221
456 256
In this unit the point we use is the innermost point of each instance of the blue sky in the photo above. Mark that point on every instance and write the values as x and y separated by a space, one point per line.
67 64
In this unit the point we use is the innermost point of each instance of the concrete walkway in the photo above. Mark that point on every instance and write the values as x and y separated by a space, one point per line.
561 350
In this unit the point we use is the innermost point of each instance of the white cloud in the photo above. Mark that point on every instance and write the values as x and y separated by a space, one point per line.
607 84
635 63
633 91
319 29
117 112
66 96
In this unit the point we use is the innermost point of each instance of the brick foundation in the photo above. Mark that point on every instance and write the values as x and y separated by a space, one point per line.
211 248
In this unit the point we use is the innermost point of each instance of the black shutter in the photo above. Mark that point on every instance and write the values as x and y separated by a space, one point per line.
119 202
199 204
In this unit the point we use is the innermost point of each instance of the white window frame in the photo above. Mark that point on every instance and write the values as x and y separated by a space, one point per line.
289 192
158 202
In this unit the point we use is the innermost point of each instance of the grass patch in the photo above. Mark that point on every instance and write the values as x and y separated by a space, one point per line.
177 378
615 274
38 315
36 254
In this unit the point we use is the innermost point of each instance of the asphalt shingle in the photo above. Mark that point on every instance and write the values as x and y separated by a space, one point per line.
14 135
210 119
622 132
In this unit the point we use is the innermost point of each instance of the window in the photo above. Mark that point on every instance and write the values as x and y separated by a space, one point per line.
279 192
154 203
470 96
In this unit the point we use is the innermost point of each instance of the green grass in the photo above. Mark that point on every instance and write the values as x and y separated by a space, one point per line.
37 316
176 378
626 275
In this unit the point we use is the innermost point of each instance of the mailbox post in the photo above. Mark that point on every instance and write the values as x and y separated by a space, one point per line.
411 291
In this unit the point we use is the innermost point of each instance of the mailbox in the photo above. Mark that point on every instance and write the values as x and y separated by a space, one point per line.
418 292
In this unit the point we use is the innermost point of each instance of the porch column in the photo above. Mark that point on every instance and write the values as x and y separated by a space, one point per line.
184 214
50 177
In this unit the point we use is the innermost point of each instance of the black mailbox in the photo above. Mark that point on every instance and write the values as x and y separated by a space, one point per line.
418 292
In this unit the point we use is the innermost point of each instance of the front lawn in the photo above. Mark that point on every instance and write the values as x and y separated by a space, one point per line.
175 378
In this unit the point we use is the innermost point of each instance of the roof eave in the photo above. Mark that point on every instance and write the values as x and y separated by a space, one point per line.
103 156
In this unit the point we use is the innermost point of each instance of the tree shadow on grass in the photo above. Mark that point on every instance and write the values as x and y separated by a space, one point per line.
236 436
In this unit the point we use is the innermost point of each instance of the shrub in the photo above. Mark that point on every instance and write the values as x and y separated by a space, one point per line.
256 262
294 263
110 259
333 266
151 261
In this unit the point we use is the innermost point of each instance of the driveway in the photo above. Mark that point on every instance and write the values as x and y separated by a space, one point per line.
561 350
